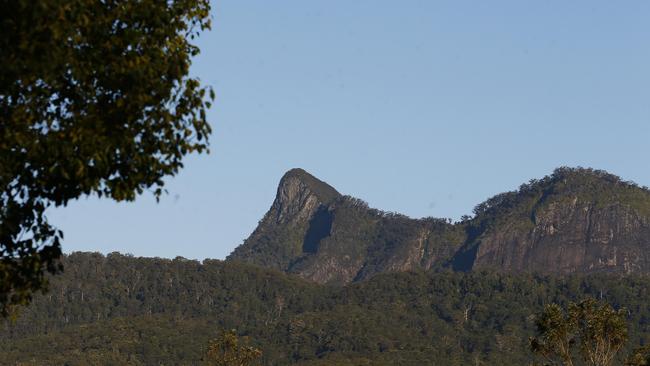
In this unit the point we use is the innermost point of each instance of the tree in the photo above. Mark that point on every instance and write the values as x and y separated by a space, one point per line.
95 99
598 330
640 357
228 350
556 340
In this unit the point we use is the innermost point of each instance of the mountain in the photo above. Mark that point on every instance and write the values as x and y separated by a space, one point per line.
576 220
315 232
418 291
293 225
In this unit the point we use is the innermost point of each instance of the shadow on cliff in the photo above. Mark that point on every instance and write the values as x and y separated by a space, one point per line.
463 260
320 226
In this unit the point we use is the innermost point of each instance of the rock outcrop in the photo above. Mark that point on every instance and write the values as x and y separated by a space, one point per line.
575 220
284 233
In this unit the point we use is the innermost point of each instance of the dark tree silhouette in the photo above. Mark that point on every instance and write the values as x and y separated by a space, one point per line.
95 98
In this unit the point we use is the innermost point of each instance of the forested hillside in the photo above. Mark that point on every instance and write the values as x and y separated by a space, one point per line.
416 291
148 311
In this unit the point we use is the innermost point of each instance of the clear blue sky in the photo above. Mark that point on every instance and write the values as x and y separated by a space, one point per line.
421 107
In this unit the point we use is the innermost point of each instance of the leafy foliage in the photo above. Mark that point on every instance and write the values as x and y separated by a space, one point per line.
557 335
585 183
150 310
640 357
228 350
95 98
597 329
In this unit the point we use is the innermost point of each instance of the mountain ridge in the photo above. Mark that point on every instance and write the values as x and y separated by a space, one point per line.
574 220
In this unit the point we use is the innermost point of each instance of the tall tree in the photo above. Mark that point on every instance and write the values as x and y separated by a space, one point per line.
229 350
556 336
602 331
598 331
95 98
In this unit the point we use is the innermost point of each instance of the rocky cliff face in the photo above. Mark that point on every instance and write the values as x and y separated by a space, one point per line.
313 231
581 221
284 233
576 220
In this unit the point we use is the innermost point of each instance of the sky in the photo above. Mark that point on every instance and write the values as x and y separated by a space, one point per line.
426 108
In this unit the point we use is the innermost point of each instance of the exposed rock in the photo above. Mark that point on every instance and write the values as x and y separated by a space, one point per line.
282 235
570 237
576 220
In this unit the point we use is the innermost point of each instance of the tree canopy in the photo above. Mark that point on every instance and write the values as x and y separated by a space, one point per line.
589 332
151 311
229 350
95 98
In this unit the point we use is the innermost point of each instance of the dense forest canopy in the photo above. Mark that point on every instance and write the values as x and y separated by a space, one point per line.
126 310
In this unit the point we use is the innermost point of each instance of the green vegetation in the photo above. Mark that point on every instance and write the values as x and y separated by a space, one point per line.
142 311
95 98
589 332
229 350
585 184
641 357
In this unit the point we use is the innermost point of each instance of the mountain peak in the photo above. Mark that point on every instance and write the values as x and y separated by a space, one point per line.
296 172
299 177
584 183
584 176
282 233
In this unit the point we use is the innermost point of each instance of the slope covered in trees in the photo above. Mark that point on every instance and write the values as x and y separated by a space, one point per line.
148 311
